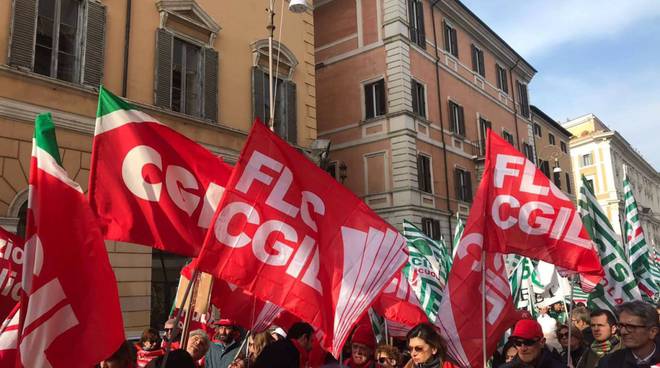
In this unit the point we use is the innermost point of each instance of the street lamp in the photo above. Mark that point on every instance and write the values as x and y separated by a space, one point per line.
295 6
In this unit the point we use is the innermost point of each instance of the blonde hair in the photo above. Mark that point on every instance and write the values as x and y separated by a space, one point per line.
259 342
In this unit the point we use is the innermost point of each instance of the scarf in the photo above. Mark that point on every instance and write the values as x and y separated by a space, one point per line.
433 363
602 348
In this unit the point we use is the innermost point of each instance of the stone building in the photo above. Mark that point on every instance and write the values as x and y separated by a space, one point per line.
196 65
600 155
405 92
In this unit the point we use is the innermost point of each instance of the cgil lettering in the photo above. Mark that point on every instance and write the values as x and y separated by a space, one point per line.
8 284
280 252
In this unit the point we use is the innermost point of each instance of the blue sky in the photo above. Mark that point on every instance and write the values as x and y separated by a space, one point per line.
600 57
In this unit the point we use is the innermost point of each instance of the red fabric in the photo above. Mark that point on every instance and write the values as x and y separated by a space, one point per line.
364 335
70 313
527 329
399 303
304 354
279 217
145 356
349 363
187 179
11 267
526 214
9 338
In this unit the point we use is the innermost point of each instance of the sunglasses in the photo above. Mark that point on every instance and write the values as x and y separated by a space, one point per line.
417 349
526 342
383 360
562 335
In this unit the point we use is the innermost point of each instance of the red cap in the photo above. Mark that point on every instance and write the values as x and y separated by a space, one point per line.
527 329
225 322
364 335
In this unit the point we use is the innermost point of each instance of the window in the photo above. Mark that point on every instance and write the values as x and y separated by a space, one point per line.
508 137
374 99
563 146
424 173
451 40
478 61
523 99
418 98
431 227
590 185
186 82
416 22
551 138
537 130
62 39
556 178
569 189
502 83
463 185
528 150
456 119
544 166
587 160
484 125
285 124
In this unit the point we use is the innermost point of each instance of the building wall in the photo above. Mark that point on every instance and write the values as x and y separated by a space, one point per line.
25 94
348 55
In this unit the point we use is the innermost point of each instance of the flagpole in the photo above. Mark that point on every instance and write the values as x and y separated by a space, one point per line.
177 319
569 361
386 335
483 304
189 311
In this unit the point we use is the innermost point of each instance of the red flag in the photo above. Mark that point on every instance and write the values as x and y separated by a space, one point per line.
398 303
149 184
9 338
289 233
527 214
11 266
70 314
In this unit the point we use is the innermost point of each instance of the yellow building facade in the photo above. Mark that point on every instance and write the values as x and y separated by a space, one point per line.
198 66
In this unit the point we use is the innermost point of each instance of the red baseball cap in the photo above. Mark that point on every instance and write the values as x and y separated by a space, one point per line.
225 322
527 329
364 335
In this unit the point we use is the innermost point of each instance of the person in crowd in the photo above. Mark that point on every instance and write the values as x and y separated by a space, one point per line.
576 344
549 327
509 351
603 327
257 343
388 356
178 358
277 333
223 349
638 325
581 318
239 363
557 311
291 352
362 345
124 357
172 335
148 348
197 346
427 348
528 338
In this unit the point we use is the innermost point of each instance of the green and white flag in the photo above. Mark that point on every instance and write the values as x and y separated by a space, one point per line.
618 285
427 269
458 234
638 251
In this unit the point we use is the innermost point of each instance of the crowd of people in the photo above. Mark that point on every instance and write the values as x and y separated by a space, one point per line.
584 339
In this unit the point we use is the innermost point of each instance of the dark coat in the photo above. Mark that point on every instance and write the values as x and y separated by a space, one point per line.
280 354
624 359
546 360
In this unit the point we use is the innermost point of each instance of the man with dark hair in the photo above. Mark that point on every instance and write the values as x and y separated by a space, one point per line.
291 352
223 349
638 324
603 327
581 318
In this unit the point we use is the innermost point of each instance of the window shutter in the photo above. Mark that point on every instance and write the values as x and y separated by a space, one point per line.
505 82
258 95
380 98
457 183
411 20
94 44
421 35
454 41
446 35
413 93
473 51
163 69
210 84
291 113
368 101
461 121
468 186
23 28
480 61
420 173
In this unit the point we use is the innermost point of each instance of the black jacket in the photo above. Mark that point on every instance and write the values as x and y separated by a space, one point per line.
624 359
280 354
546 360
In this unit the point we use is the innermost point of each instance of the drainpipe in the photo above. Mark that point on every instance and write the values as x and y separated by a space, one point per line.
442 127
515 109
127 39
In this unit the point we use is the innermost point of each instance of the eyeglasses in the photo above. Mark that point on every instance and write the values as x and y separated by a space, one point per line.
417 349
383 360
562 335
526 342
629 327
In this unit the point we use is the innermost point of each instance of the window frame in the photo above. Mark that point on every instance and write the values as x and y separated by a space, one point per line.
501 76
523 98
457 119
450 38
563 146
551 139
582 159
507 136
478 63
464 188
424 174
199 83
376 106
537 130
569 190
415 26
431 228
420 107
483 125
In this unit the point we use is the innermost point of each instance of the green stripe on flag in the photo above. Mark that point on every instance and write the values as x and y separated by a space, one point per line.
458 234
44 136
621 285
638 251
108 103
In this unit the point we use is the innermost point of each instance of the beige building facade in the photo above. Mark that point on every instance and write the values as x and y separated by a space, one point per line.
600 155
551 144
197 66
405 92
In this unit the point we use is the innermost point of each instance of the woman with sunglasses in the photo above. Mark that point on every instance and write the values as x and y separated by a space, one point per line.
427 348
388 356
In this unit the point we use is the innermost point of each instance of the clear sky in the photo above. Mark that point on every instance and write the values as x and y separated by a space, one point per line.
600 57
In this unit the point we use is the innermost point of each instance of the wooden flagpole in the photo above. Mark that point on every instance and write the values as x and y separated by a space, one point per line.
168 345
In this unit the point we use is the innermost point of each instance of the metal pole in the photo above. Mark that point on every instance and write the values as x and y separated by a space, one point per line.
483 304
271 95
168 345
570 311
